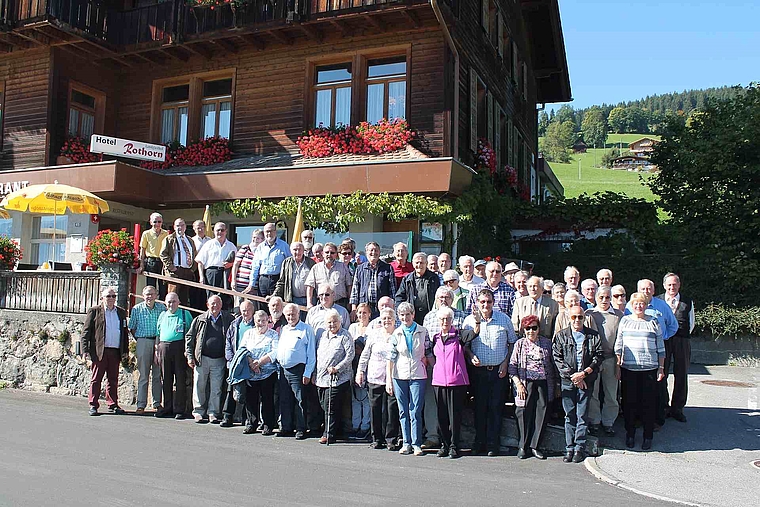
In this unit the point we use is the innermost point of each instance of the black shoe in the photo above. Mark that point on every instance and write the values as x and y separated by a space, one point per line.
630 442
538 454
453 453
93 411
492 454
442 452
608 431
678 416
116 409
179 417
162 414
378 444
521 454
249 430
266 431
647 444
593 430
478 449
300 435
580 455
568 458
286 434
226 422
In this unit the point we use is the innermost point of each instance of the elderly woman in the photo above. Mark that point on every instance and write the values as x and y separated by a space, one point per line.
618 298
261 342
558 293
335 352
572 298
450 380
640 352
406 376
360 397
372 370
534 378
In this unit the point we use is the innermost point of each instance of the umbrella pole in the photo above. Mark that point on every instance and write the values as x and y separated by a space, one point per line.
55 226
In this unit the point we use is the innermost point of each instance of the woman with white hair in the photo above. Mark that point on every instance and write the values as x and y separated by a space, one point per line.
335 352
406 376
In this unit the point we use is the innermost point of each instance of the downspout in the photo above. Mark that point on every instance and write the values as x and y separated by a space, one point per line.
455 123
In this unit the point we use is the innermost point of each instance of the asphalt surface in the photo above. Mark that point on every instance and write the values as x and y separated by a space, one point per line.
707 460
53 453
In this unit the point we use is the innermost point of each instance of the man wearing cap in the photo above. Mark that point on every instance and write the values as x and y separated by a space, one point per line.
480 269
503 294
468 279
509 273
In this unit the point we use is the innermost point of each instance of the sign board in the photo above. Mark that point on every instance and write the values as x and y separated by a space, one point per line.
11 186
126 148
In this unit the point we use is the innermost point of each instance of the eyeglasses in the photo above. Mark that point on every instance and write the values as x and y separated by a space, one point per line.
329 252
485 301
347 253
325 294
618 295
604 298
531 328
111 296
449 281
308 237
577 317
220 230
158 221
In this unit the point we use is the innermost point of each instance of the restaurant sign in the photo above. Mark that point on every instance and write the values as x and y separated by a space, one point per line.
11 186
126 148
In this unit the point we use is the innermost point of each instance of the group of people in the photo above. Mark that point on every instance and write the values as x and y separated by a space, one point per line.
394 351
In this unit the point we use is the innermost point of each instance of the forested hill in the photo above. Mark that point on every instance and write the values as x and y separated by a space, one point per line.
685 101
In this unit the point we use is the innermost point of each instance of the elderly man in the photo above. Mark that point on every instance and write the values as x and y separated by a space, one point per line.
234 336
373 279
332 272
535 303
198 296
678 347
105 340
503 294
212 261
291 286
276 318
480 268
490 358
150 250
578 355
660 310
401 266
317 252
604 277
316 315
572 278
382 303
444 263
296 354
607 319
451 282
519 282
307 240
267 262
178 255
509 272
142 323
243 265
204 349
172 326
588 290
432 265
469 279
418 288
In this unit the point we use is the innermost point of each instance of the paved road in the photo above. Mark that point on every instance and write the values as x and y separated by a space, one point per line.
52 453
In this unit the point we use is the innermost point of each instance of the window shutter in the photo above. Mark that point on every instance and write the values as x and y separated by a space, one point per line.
515 147
525 80
497 134
489 115
485 15
510 159
501 35
515 58
473 110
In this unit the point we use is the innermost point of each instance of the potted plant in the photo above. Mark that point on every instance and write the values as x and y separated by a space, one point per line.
113 253
75 150
10 253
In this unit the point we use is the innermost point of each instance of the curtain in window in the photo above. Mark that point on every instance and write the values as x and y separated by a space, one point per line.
73 122
88 125
208 120
225 119
324 103
343 106
397 100
375 96
182 134
167 126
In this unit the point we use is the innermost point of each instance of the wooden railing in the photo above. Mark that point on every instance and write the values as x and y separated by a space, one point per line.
49 291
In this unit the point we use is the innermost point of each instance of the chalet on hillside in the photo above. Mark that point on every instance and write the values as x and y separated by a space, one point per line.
260 75
643 147
632 163
580 146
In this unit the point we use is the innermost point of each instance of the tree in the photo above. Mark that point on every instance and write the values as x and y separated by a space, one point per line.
559 138
709 169
594 127
566 113
617 120
609 156
543 123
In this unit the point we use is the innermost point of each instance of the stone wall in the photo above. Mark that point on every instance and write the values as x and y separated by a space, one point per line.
739 351
37 352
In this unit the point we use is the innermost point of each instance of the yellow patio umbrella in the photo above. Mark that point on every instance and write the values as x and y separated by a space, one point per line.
54 199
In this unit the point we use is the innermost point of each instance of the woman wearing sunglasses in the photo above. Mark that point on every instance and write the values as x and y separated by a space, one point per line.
534 379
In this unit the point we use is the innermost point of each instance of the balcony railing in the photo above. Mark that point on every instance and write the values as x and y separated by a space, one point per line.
49 291
169 21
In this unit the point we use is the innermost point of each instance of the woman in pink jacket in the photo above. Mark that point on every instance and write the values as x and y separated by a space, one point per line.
450 380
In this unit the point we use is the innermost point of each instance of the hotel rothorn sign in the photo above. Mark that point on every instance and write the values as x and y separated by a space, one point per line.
126 148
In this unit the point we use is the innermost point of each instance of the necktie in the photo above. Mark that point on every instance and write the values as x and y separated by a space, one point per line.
185 248
673 304
373 286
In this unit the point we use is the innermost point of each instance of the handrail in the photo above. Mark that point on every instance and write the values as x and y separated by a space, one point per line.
49 291
189 309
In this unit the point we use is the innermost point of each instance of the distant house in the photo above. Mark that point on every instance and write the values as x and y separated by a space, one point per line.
580 146
643 147
632 163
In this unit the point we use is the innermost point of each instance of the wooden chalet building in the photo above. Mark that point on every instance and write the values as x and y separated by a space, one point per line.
260 74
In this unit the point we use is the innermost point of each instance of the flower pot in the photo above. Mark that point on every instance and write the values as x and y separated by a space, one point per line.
116 276
63 160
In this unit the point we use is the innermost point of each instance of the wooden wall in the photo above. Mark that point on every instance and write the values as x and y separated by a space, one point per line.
27 78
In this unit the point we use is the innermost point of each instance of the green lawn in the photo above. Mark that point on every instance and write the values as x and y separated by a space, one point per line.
596 178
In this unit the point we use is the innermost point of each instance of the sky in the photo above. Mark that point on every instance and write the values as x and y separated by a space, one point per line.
626 50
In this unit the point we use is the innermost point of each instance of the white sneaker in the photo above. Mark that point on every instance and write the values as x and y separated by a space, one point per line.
405 449
418 450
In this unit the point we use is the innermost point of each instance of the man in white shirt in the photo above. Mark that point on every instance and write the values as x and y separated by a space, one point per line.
213 261
469 279
198 296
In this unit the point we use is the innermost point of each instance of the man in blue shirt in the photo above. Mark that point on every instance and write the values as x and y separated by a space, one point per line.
267 262
660 310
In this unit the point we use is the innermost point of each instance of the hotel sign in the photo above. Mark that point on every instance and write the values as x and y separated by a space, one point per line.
126 148
11 186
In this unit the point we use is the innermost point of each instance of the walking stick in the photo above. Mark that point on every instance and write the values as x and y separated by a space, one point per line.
329 406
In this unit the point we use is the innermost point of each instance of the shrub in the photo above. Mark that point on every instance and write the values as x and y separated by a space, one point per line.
365 139
722 321
212 150
112 247
10 253
64 336
77 149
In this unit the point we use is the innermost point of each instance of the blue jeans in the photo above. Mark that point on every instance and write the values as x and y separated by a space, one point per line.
411 399
575 402
291 398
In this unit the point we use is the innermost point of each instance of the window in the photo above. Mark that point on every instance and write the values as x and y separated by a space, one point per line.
174 113
216 108
6 227
386 89
85 111
44 229
332 95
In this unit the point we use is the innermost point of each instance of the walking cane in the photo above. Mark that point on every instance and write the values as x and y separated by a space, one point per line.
329 406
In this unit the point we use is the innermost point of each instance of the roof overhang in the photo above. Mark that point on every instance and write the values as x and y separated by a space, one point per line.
547 50
546 174
129 184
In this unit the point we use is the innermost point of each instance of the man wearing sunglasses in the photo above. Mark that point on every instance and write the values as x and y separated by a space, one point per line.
578 354
105 340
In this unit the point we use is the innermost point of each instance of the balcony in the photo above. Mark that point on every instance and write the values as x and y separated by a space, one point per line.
26 24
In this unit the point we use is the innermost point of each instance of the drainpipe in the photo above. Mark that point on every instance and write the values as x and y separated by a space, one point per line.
455 123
